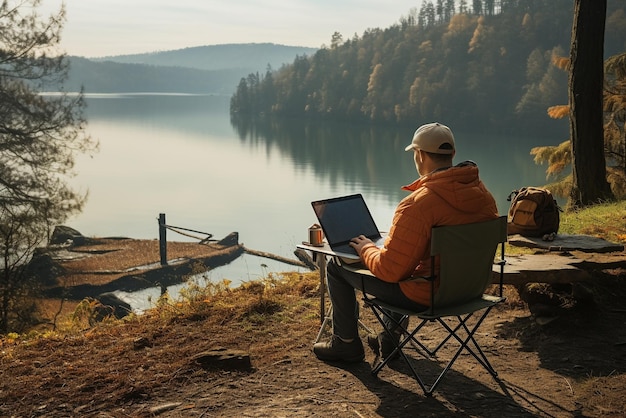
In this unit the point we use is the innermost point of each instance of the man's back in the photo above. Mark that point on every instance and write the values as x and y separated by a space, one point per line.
446 197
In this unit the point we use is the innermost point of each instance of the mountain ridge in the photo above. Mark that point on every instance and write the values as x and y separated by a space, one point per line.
217 57
209 69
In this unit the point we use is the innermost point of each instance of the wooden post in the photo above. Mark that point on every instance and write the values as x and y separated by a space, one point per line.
162 239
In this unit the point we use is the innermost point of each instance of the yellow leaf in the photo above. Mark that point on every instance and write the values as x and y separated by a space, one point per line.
558 112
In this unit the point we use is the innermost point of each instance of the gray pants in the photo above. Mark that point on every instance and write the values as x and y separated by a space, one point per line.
341 288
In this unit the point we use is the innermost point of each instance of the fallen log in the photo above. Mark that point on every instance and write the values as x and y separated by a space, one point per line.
275 257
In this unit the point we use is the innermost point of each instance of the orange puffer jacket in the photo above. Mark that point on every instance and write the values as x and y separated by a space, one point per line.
446 197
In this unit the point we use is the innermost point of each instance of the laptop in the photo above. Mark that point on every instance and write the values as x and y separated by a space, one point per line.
343 218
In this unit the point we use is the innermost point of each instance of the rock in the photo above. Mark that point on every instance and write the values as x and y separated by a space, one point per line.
159 409
62 234
141 342
224 359
110 305
43 267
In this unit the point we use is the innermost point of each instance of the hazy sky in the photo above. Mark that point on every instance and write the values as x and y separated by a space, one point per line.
96 28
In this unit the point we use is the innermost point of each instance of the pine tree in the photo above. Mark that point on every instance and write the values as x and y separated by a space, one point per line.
39 136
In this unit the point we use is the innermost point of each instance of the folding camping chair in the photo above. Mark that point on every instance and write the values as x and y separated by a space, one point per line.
466 258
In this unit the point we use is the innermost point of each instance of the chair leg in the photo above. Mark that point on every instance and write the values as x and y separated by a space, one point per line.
380 314
479 354
464 344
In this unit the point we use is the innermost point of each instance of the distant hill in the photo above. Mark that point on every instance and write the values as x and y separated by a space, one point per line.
215 69
219 57
115 77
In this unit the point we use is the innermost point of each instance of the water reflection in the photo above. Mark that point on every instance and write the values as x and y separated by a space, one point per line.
339 154
373 157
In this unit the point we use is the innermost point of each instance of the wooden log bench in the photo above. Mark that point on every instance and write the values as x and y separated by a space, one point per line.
541 268
566 259
567 242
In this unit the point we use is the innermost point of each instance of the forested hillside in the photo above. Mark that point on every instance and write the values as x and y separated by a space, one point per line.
214 69
482 66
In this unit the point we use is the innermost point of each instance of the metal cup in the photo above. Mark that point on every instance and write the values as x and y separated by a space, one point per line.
316 235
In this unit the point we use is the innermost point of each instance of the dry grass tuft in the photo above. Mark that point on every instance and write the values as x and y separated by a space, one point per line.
603 395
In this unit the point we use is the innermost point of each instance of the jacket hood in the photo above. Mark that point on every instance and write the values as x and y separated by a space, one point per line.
460 186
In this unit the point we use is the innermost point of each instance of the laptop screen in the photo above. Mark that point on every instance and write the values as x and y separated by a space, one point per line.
343 218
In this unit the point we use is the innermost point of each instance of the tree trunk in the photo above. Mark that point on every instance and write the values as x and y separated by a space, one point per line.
586 80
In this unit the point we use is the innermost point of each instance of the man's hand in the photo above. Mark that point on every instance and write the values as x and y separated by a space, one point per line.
359 242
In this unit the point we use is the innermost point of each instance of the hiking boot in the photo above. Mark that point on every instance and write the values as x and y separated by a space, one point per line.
387 344
337 350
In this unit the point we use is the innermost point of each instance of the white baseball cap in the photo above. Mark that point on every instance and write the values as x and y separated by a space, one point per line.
434 138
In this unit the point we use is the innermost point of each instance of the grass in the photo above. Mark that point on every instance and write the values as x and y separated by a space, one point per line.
607 221
277 298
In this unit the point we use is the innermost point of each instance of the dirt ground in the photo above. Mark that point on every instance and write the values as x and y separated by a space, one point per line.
571 366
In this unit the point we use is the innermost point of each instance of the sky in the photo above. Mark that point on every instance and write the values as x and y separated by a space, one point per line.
97 28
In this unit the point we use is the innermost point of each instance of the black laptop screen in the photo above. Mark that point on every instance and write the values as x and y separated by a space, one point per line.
344 218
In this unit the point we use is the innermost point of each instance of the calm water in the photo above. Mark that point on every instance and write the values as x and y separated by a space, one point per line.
182 156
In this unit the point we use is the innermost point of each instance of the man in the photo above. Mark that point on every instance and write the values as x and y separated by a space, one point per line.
442 195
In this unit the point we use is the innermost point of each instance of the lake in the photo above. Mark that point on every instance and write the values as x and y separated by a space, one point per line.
181 155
